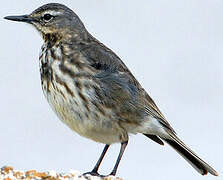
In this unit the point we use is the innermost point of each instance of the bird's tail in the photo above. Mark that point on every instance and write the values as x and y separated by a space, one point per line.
196 162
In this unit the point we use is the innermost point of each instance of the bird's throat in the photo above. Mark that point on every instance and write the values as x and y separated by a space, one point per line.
51 39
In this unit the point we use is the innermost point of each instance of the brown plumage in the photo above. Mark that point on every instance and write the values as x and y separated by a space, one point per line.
92 91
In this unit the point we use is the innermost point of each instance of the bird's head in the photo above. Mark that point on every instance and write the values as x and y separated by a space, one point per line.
55 19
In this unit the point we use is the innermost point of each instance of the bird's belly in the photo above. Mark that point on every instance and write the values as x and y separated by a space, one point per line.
86 121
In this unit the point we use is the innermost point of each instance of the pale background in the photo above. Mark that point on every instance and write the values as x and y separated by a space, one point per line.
174 48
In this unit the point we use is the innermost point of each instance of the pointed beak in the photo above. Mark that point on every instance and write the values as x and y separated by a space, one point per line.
24 18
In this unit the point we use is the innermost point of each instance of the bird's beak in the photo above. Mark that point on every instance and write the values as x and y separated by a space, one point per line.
24 18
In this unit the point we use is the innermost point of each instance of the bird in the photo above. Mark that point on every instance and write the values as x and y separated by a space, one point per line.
93 92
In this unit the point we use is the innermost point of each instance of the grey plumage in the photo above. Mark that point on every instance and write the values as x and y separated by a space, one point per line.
92 91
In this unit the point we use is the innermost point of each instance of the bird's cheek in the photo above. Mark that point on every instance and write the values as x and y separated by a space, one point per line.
37 26
46 30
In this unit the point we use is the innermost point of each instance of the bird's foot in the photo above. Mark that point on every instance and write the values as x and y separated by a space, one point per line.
94 173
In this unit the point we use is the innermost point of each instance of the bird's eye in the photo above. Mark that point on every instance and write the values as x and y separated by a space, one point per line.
47 17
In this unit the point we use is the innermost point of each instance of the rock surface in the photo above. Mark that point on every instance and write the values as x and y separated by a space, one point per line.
8 173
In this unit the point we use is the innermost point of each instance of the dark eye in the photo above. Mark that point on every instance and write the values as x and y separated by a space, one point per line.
47 17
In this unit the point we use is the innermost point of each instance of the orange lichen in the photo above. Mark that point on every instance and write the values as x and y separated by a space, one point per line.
30 173
8 173
7 169
17 174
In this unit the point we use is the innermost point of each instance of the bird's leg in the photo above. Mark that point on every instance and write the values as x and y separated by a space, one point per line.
94 172
123 146
100 159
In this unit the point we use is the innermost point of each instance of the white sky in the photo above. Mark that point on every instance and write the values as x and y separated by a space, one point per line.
174 48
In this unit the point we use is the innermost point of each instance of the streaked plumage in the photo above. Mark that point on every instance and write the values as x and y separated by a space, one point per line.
92 91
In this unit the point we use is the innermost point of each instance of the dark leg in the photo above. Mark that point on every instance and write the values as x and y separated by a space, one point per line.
100 158
94 172
123 146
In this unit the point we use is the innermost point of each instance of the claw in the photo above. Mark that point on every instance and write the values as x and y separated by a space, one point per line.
93 173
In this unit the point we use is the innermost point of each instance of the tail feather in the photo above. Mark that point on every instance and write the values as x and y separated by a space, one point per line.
196 162
155 138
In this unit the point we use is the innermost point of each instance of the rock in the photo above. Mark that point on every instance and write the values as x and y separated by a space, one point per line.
8 173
